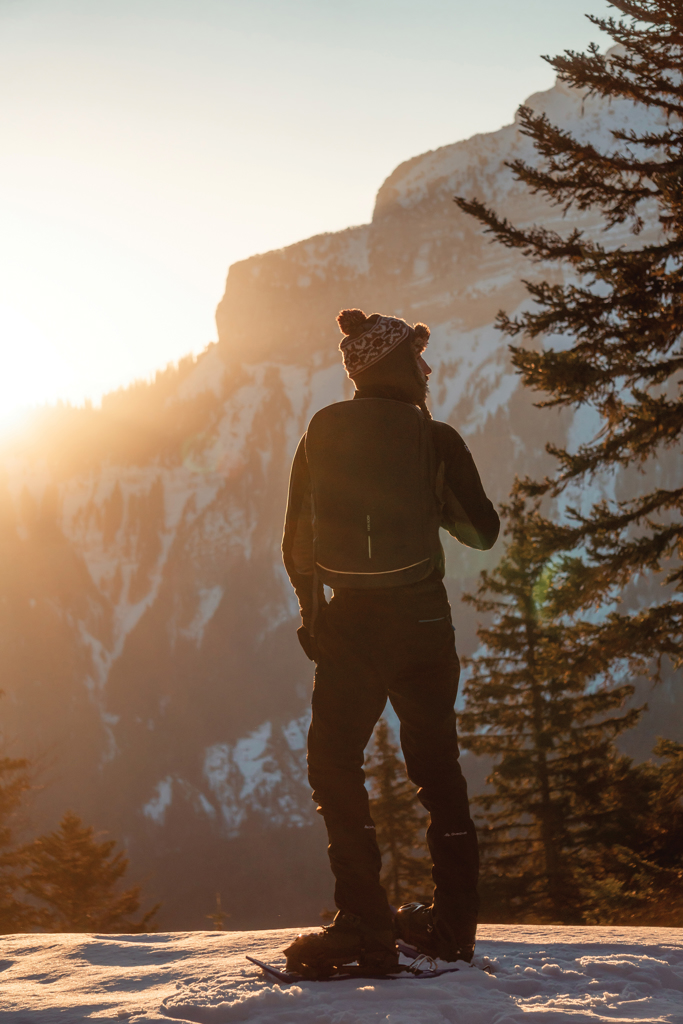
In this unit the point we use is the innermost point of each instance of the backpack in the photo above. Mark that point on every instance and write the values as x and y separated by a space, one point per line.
375 494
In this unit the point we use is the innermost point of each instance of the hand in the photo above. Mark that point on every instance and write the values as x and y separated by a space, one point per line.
308 643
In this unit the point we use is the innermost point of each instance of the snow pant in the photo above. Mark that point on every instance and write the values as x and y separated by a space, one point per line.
397 644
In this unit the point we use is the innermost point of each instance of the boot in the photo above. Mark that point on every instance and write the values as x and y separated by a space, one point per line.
347 939
415 924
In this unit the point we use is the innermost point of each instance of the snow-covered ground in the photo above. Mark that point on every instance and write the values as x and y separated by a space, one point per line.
542 975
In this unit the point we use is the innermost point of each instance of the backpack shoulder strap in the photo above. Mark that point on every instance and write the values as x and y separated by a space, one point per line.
438 484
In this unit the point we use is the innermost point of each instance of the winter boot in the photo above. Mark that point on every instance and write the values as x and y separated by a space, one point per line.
347 939
416 926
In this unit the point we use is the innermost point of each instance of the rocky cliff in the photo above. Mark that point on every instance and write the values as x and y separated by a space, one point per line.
149 658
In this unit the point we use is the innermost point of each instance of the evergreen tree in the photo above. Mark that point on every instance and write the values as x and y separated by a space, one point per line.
75 878
542 704
664 836
15 916
399 820
621 311
636 874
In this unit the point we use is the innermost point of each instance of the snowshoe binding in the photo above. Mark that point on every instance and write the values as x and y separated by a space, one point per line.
416 927
347 941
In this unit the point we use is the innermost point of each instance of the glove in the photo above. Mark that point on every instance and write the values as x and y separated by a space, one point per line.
308 643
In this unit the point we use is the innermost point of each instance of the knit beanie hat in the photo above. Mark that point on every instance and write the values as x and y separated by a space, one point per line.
370 338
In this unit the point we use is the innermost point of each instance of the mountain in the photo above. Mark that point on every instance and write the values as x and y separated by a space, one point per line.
149 658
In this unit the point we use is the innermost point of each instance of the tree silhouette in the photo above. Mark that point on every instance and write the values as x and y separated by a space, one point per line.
75 877
399 821
635 875
541 704
15 916
621 315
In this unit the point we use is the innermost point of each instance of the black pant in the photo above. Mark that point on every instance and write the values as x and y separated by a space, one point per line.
398 644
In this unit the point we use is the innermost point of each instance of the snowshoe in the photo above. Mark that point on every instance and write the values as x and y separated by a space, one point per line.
416 927
346 941
348 973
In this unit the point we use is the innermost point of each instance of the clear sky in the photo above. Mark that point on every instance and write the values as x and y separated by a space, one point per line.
147 144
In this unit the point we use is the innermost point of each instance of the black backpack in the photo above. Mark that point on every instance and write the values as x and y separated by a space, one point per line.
376 494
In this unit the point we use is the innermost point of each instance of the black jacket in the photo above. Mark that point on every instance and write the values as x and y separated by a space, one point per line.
468 514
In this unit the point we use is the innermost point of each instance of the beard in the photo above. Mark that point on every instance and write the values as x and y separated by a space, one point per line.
420 388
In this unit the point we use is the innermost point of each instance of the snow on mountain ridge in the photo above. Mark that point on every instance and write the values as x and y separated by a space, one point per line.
250 776
589 118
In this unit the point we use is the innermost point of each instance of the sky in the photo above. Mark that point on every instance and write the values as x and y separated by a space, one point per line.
145 145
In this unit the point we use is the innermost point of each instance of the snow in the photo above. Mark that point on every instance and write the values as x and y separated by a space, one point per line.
342 250
543 975
263 773
482 157
252 759
472 375
295 731
157 806
209 600
207 375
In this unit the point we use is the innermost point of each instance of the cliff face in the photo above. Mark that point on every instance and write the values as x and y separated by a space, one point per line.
149 656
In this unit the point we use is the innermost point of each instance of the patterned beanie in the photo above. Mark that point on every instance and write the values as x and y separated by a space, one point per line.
370 338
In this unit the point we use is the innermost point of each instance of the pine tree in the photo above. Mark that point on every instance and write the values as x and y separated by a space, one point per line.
75 877
621 311
636 874
15 915
547 710
399 820
664 836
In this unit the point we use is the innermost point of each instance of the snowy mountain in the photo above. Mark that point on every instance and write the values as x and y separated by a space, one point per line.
560 975
150 664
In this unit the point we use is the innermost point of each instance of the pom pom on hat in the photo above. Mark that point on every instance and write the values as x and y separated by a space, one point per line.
422 333
351 320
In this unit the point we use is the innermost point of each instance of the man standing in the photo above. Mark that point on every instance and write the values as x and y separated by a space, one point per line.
371 482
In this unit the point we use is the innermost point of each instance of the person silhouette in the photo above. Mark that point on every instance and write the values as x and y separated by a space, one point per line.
386 633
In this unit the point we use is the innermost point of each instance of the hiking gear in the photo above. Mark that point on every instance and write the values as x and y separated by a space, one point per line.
399 643
461 478
347 973
347 939
376 496
307 643
416 926
367 343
